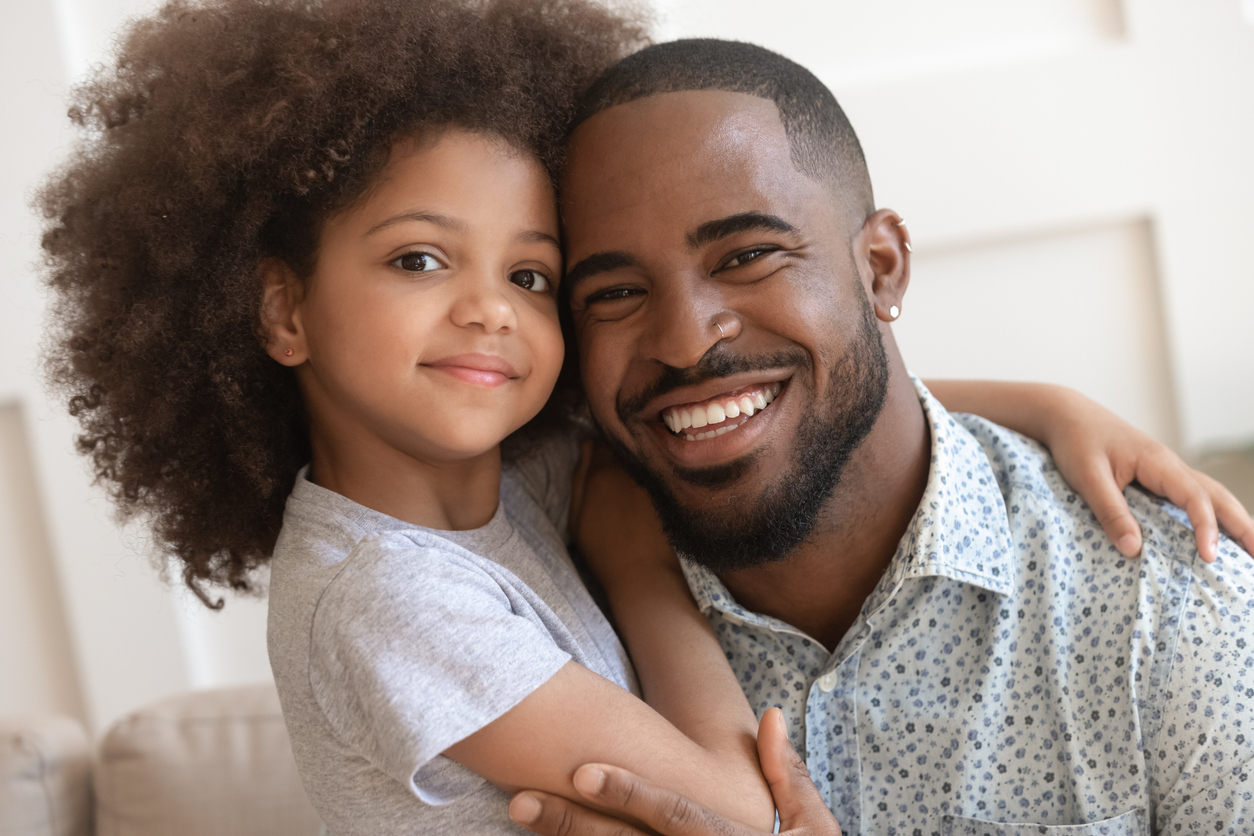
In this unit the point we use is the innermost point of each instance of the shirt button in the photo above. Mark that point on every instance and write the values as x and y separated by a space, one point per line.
827 682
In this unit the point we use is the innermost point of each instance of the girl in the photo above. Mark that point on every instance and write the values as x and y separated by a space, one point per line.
306 265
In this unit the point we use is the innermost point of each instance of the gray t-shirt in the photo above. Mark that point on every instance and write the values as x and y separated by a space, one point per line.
391 642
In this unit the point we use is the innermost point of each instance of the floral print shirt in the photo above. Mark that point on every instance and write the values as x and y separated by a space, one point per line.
1013 673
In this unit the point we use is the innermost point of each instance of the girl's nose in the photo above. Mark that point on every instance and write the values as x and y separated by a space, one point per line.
483 303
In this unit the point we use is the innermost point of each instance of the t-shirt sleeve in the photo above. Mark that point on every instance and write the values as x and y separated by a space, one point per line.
547 471
413 648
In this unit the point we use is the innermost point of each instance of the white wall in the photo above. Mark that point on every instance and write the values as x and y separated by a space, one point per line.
1075 174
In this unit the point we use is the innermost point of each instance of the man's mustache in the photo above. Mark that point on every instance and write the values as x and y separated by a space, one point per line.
717 363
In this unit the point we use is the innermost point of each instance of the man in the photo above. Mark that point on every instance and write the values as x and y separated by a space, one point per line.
952 639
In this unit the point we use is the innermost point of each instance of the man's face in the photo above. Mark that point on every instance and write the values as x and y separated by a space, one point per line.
684 210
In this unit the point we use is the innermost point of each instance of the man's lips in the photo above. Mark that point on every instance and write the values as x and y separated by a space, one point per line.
479 369
710 389
700 421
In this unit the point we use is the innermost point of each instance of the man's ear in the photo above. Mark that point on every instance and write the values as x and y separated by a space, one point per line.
887 245
282 294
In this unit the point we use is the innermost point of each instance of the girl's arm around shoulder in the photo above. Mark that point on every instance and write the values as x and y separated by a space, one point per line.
1099 455
694 733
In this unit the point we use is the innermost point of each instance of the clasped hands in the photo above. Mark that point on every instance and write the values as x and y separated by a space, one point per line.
801 809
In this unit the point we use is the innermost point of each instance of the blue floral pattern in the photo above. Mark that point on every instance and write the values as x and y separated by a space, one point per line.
1012 673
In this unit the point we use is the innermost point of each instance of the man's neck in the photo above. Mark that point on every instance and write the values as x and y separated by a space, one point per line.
821 587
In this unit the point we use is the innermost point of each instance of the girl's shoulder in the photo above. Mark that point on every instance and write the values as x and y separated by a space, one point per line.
544 470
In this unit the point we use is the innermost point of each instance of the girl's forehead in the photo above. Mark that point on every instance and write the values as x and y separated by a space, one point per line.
465 178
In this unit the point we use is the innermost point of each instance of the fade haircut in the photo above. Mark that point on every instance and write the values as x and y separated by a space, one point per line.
822 143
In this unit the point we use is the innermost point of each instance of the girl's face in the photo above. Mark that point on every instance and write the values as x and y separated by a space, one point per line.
430 324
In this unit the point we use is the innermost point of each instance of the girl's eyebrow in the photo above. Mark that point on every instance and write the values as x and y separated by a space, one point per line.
535 236
532 236
445 221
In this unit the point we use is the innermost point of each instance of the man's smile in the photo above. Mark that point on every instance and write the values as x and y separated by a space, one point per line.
723 413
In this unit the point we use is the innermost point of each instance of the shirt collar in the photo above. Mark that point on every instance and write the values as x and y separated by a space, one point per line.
960 530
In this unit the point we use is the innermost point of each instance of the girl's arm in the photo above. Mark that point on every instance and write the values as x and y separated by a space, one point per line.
694 732
1099 454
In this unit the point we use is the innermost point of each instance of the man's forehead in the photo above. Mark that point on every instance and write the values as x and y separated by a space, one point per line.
690 121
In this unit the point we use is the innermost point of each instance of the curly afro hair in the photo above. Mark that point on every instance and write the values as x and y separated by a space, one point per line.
226 133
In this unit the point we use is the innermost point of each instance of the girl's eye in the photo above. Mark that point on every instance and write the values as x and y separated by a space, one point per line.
417 263
532 280
745 257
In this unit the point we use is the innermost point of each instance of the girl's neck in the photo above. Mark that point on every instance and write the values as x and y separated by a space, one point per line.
451 496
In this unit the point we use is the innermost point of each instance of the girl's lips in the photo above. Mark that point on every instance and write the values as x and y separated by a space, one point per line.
479 369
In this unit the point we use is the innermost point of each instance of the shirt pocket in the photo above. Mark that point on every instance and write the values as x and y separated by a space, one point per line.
1132 823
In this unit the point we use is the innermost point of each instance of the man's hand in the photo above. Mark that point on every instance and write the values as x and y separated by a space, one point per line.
801 810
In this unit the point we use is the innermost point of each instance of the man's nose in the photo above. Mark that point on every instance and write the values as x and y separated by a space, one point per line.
681 321
483 302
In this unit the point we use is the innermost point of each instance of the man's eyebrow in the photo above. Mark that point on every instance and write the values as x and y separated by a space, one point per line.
593 264
712 231
445 221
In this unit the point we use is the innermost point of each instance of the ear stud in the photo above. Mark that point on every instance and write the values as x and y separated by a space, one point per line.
894 312
288 352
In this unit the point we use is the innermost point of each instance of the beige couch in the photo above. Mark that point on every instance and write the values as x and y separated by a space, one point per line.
216 763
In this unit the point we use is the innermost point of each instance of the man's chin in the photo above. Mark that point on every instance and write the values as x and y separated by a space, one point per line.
720 516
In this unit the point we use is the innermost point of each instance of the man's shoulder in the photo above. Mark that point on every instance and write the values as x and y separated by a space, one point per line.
1038 497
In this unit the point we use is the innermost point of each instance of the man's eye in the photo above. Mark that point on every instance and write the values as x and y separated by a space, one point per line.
532 280
612 294
740 259
417 262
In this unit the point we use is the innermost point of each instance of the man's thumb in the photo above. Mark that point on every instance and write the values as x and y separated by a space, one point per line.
798 802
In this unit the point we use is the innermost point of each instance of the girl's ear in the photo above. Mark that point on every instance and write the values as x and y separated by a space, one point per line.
280 312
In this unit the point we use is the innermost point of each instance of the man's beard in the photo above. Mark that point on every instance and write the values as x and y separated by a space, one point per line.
768 528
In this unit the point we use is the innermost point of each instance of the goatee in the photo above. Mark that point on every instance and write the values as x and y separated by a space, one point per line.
771 526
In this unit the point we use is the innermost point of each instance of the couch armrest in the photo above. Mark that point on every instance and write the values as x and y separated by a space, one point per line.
217 763
45 777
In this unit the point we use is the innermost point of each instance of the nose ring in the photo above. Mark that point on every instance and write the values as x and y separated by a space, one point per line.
719 326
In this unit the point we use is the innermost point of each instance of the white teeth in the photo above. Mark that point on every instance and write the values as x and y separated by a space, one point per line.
678 420
711 434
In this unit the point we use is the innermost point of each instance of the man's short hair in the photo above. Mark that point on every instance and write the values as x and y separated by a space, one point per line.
823 144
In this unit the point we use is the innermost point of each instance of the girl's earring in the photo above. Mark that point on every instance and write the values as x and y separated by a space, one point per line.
288 352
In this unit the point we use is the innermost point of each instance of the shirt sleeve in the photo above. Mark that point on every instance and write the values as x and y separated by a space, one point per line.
547 471
1202 750
413 648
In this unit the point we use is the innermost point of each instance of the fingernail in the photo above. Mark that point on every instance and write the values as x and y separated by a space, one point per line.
1128 545
589 780
525 808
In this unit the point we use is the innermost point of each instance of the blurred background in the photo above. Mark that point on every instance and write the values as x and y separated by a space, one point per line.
1078 180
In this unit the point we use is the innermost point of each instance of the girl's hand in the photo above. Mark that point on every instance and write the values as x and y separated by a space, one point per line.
1100 454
